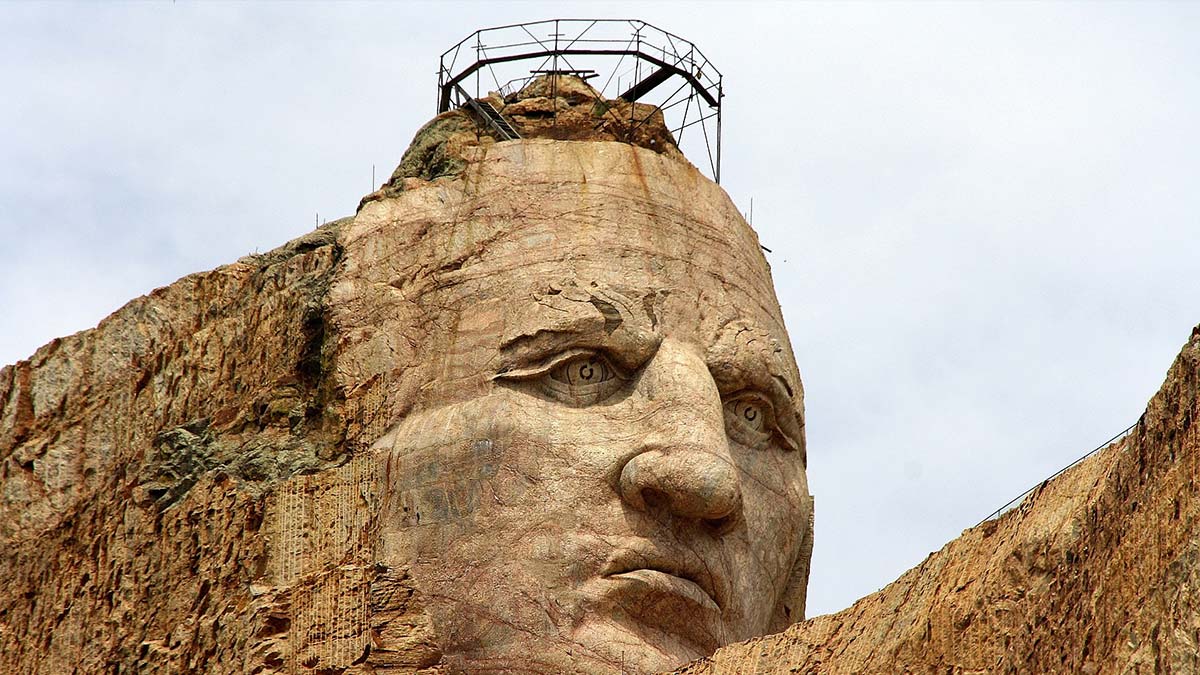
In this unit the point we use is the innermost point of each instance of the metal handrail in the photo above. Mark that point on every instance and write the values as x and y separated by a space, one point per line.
637 24
1056 474
657 56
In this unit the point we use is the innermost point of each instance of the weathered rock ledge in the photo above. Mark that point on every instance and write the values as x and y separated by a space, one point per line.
135 462
181 487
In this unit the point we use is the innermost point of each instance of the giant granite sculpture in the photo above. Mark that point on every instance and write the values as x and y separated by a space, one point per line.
536 411
599 459
532 409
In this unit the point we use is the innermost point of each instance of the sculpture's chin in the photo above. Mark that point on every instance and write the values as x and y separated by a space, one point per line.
597 644
637 648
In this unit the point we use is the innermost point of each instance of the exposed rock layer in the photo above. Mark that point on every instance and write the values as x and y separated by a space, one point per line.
518 495
190 485
136 458
1097 572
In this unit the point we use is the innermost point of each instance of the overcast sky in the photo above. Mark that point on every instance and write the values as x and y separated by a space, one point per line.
983 217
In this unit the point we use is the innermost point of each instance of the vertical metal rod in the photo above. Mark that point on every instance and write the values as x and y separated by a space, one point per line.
720 106
554 76
637 74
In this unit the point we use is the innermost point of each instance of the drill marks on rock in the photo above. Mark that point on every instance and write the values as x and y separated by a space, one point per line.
157 434
330 626
325 524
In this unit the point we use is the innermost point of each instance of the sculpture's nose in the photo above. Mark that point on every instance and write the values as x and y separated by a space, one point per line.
684 466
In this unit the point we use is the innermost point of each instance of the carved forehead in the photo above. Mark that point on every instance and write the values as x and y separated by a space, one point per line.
540 208
695 268
476 254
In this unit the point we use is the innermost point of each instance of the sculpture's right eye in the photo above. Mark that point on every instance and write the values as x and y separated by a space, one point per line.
582 380
583 371
576 378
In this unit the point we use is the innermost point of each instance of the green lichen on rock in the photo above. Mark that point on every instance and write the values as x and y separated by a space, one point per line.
437 149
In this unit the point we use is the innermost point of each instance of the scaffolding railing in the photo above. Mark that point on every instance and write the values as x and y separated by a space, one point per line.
634 58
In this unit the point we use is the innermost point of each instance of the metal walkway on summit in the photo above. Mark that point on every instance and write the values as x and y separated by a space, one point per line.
638 56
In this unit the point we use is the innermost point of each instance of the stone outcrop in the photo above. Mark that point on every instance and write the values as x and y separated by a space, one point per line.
559 107
570 336
532 409
1097 572
135 463
329 458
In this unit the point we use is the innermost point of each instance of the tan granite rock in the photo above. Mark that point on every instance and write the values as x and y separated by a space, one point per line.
599 459
533 409
136 464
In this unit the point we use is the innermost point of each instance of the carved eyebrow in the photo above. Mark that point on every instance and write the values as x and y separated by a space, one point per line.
750 370
741 354
572 316
749 358
627 345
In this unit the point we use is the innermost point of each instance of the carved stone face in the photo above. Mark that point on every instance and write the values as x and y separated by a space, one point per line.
603 464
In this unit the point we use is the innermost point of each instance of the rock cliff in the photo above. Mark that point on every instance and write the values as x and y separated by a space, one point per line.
195 485
136 462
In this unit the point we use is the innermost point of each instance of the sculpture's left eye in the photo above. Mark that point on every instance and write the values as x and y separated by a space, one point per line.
583 370
583 379
576 378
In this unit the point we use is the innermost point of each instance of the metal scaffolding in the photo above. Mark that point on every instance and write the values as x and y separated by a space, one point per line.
634 57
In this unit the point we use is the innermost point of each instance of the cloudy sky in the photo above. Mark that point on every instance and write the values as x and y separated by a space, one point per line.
983 217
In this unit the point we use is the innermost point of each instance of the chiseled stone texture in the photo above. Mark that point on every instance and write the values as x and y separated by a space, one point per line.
533 409
1097 572
136 459
598 462
536 414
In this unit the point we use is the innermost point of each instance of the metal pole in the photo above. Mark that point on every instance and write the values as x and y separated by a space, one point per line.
720 105
554 75
637 74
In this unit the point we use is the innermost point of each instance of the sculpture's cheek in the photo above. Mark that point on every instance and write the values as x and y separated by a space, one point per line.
493 483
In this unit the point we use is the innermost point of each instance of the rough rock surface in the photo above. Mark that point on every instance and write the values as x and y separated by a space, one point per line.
546 516
559 107
258 469
135 461
1097 572
197 484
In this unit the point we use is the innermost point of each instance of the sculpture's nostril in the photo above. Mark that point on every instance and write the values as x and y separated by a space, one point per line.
721 525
